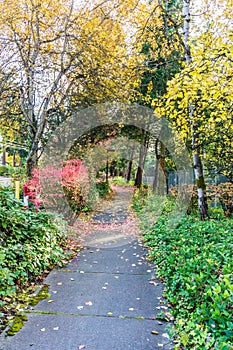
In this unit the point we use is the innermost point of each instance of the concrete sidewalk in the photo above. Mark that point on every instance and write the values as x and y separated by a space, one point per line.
106 298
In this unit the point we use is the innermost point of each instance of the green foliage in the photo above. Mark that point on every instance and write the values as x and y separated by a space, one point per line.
216 213
30 243
121 181
14 173
4 170
195 262
103 189
150 205
140 199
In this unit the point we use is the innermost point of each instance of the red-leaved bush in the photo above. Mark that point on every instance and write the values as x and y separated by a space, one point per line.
72 177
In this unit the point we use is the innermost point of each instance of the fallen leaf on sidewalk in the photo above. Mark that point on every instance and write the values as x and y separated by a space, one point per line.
153 282
165 335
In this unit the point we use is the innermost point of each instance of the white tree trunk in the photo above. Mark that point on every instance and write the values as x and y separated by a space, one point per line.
196 150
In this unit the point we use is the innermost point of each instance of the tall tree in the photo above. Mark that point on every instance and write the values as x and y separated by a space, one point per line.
162 52
196 148
64 55
198 100
13 127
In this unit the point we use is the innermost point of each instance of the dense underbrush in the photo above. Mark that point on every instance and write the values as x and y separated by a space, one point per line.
30 244
194 260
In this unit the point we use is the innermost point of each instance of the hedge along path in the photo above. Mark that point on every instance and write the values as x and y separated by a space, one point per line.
105 298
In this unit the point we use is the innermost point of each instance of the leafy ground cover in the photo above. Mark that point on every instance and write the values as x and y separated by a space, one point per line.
30 245
121 181
104 189
194 260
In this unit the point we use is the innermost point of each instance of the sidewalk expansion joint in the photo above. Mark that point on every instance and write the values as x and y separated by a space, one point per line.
39 312
108 273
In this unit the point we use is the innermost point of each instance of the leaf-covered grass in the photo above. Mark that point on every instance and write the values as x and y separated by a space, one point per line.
195 262
30 243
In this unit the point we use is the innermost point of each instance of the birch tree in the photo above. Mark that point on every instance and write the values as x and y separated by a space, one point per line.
196 148
64 53
199 99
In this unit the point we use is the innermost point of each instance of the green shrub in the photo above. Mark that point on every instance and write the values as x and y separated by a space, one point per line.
141 199
121 181
5 170
30 243
194 259
103 189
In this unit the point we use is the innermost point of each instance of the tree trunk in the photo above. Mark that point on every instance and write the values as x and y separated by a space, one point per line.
138 178
142 158
160 160
32 159
4 156
129 170
196 150
163 166
156 173
199 175
14 159
156 176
